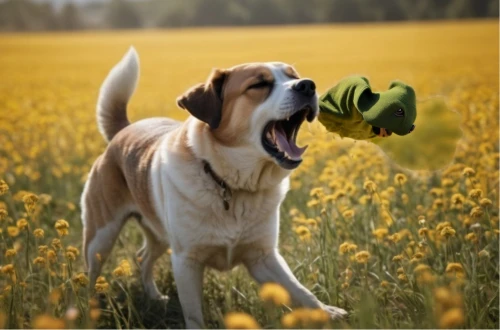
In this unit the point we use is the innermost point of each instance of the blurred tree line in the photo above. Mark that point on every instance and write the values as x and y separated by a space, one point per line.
34 15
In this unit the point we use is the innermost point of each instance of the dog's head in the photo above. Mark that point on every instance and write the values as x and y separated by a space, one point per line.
260 105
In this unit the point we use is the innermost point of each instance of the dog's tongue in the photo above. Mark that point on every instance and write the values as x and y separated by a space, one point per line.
289 146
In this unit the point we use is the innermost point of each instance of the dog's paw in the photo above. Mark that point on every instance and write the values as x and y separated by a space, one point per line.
335 313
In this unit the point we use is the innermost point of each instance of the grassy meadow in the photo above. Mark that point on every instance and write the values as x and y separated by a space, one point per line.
396 247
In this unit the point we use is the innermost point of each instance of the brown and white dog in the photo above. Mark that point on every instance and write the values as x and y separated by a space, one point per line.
209 187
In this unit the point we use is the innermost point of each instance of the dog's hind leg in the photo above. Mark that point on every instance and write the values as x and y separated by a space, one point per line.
152 249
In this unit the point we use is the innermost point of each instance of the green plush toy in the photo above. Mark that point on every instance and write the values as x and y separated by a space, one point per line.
353 110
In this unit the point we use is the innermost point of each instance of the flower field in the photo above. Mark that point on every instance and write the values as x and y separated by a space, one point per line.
405 241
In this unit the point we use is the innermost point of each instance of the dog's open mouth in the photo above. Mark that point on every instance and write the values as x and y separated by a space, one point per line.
279 138
382 132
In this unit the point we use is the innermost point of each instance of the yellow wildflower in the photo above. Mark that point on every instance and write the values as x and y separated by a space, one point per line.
400 179
22 224
123 269
317 192
62 227
455 268
3 214
348 214
485 202
3 187
274 293
344 285
452 318
347 247
457 199
8 269
394 238
362 257
10 252
30 201
384 284
483 254
80 279
423 231
402 277
303 232
52 256
56 243
398 258
101 286
12 231
380 233
471 237
39 261
421 268
42 249
370 186
312 203
38 233
448 232
46 321
475 194
238 320
468 172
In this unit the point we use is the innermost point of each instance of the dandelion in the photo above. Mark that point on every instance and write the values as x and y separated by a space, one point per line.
3 187
475 194
348 214
123 269
303 232
80 279
448 232
362 257
30 201
455 268
274 293
400 179
12 231
468 172
56 244
22 224
238 320
46 321
380 233
10 253
101 286
485 202
370 186
398 258
3 214
39 261
452 318
62 227
38 233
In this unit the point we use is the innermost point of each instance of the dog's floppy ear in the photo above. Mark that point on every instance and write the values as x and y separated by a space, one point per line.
204 101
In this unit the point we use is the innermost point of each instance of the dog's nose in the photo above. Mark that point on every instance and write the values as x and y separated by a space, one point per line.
306 87
412 128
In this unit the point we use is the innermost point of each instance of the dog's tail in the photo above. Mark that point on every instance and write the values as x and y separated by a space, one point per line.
115 93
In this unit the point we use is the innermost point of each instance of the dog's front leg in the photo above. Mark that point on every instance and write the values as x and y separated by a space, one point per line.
188 276
273 268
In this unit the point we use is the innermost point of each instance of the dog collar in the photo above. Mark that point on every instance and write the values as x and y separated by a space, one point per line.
226 193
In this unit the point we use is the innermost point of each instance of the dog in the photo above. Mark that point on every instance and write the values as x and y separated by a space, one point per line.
210 187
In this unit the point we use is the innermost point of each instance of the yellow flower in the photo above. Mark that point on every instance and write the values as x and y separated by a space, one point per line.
485 202
476 212
10 252
347 247
402 277
62 227
312 203
274 293
12 231
448 232
238 320
455 268
311 222
39 261
101 286
123 269
73 250
457 199
442 225
80 279
348 214
8 269
384 284
70 256
303 232
423 231
344 285
38 233
3 187
446 182
370 186
380 233
400 179
56 243
421 268
394 238
30 201
398 258
483 254
468 172
42 249
3 214
471 237
22 224
52 256
475 193
338 194
46 321
317 192
362 257
452 318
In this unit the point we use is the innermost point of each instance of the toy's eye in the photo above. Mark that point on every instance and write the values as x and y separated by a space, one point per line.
399 113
